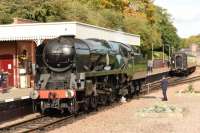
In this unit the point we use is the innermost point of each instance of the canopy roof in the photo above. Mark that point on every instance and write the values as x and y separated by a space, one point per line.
41 31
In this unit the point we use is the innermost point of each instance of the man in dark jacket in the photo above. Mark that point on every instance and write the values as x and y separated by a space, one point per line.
1 78
164 85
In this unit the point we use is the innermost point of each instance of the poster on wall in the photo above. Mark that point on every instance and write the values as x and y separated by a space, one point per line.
9 66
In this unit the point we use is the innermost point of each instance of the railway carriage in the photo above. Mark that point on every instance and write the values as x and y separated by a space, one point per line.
183 63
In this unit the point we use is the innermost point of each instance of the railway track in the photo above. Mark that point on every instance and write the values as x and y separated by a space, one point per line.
172 82
186 80
35 124
42 122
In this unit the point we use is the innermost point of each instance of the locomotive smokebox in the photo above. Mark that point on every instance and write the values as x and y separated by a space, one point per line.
58 54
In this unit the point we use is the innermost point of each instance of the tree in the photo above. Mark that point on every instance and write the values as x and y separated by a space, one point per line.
142 17
188 41
168 31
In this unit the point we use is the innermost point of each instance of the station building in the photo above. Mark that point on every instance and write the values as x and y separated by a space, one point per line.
19 40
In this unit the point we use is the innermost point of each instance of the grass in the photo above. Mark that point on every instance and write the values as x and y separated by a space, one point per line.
161 107
189 90
161 110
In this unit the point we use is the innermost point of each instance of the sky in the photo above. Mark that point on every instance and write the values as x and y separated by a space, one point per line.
185 15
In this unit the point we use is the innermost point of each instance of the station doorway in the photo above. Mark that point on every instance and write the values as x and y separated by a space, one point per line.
6 66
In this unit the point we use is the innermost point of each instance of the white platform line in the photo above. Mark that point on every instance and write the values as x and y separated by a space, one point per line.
25 97
9 100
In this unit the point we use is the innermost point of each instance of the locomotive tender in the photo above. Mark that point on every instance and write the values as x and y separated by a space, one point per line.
73 73
183 63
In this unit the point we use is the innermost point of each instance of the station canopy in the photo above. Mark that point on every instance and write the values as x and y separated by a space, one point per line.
42 31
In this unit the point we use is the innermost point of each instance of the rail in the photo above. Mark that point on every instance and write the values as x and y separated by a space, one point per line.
172 82
37 123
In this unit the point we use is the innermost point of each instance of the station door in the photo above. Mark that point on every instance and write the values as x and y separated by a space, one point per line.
6 64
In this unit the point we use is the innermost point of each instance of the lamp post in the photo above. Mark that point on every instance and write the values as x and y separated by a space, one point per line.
169 51
152 52
172 49
163 53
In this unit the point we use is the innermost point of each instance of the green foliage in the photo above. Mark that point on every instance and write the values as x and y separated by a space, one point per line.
190 89
5 18
157 55
165 27
188 41
152 23
161 107
112 19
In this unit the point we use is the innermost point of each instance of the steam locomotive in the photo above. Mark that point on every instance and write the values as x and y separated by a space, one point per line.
74 74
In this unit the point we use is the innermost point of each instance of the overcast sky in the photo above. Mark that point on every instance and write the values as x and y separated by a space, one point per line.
185 15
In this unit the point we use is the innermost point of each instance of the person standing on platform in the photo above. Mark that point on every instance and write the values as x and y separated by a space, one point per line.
151 66
164 85
1 78
148 67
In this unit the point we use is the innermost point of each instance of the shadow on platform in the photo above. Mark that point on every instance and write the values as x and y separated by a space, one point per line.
148 97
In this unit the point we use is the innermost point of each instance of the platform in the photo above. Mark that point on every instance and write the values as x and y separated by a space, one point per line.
159 70
155 72
15 94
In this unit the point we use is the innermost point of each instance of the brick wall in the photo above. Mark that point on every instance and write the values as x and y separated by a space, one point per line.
15 48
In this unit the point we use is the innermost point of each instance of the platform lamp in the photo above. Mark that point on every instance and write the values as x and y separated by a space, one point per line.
152 58
169 51
172 48
163 53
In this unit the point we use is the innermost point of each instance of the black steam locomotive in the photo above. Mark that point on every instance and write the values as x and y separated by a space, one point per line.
73 73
